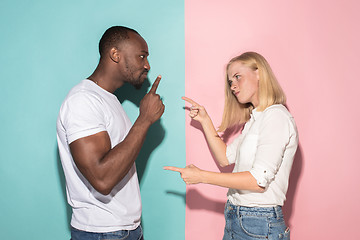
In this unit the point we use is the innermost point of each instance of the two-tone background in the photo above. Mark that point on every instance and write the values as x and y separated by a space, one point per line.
46 47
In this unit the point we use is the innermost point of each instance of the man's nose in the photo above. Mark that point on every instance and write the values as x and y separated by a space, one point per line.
147 65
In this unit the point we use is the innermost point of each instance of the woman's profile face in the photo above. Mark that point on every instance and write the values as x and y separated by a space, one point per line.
244 83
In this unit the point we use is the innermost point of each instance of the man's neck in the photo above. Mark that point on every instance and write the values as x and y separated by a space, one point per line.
106 79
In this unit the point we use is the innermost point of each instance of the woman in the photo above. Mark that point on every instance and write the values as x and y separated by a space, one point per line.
263 153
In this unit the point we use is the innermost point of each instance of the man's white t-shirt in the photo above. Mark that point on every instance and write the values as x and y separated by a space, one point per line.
88 109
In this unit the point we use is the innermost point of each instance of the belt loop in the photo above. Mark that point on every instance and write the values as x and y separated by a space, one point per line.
277 212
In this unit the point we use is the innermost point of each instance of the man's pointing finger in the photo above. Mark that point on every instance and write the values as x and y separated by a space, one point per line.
155 85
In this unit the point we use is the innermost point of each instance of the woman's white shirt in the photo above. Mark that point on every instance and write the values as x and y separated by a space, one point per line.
266 148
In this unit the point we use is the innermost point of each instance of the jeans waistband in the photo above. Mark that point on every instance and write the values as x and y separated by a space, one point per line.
275 211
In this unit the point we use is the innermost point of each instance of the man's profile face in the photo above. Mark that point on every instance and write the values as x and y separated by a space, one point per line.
135 52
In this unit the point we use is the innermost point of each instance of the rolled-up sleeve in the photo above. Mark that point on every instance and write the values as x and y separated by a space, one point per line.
82 116
274 135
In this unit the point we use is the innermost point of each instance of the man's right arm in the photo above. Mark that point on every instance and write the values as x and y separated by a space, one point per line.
104 167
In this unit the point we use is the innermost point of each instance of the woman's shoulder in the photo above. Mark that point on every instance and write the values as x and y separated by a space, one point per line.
277 109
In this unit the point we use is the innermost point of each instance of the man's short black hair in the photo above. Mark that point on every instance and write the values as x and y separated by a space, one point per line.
112 37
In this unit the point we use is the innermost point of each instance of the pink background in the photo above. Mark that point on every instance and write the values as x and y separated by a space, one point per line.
313 48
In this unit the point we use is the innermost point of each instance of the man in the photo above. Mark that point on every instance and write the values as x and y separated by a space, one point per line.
97 144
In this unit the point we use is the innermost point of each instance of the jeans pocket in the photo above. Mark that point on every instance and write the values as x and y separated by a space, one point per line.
255 226
278 229
285 235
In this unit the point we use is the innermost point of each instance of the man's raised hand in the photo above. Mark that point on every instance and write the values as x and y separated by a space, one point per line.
151 106
155 85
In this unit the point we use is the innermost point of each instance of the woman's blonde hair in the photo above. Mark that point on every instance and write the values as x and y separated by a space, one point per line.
270 91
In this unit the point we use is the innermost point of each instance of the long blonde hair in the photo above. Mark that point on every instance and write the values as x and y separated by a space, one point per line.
270 91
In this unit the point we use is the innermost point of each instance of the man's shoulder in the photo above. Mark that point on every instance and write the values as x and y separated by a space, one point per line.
81 98
82 91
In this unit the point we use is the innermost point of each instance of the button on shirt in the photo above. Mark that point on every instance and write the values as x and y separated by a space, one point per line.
266 148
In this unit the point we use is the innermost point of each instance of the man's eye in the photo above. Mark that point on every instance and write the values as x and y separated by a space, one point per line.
142 56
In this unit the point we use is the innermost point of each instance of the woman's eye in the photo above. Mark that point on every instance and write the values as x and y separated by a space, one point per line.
229 82
237 77
142 56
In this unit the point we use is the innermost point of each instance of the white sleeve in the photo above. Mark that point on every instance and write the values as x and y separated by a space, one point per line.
82 115
232 148
274 135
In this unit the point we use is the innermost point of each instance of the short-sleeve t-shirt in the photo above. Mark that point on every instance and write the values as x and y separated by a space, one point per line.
88 109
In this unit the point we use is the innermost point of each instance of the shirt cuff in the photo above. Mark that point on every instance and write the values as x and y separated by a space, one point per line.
262 176
82 134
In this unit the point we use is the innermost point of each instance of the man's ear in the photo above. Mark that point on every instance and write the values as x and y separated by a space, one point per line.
115 54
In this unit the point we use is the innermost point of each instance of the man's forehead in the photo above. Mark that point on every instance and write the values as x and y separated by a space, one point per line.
135 40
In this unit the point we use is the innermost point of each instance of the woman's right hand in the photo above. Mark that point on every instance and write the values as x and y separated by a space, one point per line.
197 112
216 144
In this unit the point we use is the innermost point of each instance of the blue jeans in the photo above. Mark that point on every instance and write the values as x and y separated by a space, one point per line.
135 234
254 223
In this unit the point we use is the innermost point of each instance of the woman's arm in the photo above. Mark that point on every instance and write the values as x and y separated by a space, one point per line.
240 180
216 144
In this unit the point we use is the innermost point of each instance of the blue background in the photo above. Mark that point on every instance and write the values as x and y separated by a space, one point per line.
46 47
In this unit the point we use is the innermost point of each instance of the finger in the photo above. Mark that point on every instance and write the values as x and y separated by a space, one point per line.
192 115
195 108
192 102
155 85
175 169
194 112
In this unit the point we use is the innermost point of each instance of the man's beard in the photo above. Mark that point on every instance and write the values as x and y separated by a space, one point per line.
137 86
138 82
